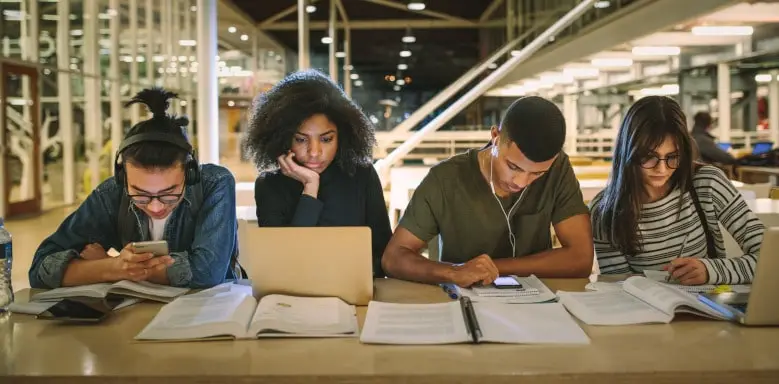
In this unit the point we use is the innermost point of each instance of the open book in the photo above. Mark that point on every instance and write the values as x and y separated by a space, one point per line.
463 321
124 288
640 301
231 312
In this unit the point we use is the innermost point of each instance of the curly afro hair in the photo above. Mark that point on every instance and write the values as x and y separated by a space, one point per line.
277 114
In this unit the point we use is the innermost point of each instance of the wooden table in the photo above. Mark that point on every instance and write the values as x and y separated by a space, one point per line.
689 350
772 173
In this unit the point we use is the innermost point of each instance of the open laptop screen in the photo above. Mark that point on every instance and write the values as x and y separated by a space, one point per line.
761 148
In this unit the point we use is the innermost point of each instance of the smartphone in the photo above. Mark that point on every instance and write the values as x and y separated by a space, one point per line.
78 310
507 282
157 248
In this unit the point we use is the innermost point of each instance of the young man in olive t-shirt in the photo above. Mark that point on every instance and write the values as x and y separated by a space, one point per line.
522 178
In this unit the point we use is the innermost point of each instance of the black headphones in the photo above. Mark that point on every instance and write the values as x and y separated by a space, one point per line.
191 166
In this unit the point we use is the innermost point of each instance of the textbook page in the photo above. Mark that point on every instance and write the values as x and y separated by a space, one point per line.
281 315
190 318
611 308
98 291
668 299
388 323
528 324
147 290
143 290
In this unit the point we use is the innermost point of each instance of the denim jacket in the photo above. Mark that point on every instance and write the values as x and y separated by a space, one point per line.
202 247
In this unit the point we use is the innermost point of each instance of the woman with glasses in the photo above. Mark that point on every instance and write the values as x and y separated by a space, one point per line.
661 211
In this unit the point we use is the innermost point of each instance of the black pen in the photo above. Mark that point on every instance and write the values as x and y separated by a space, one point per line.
474 322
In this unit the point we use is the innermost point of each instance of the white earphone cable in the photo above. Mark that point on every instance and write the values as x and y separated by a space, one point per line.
512 238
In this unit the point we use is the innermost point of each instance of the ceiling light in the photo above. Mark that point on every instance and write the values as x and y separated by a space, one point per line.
193 8
402 66
354 76
515 53
327 40
231 29
396 88
348 67
581 73
656 51
187 43
358 83
416 5
231 103
722 30
612 62
764 78
400 82
244 37
492 66
310 8
602 4
405 53
408 39
340 54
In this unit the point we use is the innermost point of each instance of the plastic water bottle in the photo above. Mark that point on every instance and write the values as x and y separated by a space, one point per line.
6 259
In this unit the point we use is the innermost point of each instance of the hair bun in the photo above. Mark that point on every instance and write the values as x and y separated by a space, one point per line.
156 99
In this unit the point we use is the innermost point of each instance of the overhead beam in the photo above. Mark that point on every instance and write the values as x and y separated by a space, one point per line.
631 22
426 12
342 11
382 24
490 10
286 12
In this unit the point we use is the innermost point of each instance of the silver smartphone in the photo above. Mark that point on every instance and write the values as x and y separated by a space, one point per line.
157 248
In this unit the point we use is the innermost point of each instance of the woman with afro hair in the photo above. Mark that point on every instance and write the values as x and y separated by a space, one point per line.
312 146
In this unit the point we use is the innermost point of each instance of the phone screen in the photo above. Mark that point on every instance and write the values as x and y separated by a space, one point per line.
507 282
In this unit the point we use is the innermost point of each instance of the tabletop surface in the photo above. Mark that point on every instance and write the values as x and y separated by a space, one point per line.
688 349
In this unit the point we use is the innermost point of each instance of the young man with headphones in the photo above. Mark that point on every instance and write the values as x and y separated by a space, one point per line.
158 192
492 208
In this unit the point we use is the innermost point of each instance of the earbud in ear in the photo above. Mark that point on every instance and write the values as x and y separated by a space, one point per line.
495 149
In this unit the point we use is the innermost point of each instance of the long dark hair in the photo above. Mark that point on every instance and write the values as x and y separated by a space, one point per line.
646 125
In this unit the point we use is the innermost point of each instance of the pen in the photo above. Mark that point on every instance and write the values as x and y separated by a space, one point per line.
450 290
670 267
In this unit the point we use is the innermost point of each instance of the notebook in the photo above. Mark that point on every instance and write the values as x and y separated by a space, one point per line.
229 311
125 288
641 301
464 321
533 291
662 276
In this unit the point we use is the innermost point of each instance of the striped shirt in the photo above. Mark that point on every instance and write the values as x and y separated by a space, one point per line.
665 234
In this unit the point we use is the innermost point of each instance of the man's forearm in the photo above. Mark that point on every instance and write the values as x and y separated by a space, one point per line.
405 264
83 272
565 262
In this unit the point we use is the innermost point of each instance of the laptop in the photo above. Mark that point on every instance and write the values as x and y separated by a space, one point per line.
762 147
308 261
725 146
759 306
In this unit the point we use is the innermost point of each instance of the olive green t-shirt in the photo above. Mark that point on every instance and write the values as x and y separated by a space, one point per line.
455 201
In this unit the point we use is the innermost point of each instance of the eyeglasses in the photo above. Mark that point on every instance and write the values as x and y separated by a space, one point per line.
166 199
652 161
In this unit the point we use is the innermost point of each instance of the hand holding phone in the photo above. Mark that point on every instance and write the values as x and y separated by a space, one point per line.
157 248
